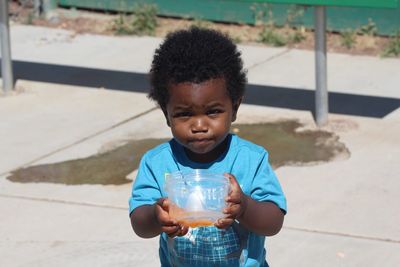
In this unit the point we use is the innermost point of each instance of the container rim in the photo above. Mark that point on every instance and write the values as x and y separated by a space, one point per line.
196 175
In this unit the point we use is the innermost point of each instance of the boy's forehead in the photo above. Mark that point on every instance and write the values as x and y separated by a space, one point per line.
210 90
214 80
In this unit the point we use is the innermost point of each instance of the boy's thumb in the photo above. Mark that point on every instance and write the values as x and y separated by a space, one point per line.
163 203
231 178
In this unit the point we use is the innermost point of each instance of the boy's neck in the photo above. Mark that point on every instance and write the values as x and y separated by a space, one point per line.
210 156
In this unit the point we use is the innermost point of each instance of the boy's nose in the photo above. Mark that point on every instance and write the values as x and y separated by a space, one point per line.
199 125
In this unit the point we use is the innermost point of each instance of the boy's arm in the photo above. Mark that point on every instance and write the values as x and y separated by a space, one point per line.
144 222
151 220
264 218
261 217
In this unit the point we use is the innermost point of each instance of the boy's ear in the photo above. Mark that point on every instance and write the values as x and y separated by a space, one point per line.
166 116
236 107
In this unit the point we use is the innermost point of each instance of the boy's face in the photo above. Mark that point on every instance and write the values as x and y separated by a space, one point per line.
200 116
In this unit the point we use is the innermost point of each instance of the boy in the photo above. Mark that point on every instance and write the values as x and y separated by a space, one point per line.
198 81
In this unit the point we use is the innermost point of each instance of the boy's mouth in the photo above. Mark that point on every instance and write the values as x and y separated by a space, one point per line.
200 141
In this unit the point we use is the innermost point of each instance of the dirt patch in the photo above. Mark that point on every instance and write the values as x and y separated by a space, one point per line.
81 21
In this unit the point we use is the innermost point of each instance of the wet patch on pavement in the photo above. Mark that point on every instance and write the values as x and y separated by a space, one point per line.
110 167
286 144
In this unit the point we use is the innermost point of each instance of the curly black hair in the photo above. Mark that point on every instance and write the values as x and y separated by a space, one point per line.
196 55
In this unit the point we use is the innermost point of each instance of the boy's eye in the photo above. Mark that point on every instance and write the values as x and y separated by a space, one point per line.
214 111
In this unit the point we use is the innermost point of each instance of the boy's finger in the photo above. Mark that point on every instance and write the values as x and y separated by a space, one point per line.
163 203
229 211
230 216
170 230
166 220
235 190
184 230
179 232
233 199
232 179
223 223
163 217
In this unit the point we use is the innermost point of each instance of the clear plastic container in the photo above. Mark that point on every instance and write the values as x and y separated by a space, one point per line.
197 197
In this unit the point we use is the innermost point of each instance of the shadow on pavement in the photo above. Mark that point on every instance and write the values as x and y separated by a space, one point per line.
273 96
340 103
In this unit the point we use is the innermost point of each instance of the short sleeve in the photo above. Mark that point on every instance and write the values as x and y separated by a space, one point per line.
266 186
145 189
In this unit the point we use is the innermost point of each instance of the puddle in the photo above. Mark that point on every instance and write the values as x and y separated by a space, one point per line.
110 167
286 146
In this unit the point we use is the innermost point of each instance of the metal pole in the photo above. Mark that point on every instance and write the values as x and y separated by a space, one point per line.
48 8
6 64
37 8
321 92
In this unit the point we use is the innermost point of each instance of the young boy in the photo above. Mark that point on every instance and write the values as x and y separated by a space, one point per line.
198 81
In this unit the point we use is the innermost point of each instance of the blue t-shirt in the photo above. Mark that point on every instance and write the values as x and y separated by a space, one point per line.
210 246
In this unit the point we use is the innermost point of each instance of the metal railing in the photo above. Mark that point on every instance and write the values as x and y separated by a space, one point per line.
321 90
6 63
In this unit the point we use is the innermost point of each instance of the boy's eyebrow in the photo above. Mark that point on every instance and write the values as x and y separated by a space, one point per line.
181 107
214 104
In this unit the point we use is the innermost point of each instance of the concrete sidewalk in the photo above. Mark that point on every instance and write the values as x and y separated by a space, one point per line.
341 213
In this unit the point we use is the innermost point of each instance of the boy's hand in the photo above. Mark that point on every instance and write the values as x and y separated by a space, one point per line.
237 203
167 224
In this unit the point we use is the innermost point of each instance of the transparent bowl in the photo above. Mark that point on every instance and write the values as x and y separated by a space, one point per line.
197 197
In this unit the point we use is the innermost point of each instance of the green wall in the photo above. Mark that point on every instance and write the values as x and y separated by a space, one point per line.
387 20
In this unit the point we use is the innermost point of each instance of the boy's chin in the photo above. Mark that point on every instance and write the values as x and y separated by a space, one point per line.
203 153
200 151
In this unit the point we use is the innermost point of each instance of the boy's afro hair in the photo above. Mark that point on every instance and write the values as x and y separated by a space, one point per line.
196 55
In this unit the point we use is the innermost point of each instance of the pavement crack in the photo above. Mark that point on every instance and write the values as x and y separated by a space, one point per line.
298 229
67 202
82 140
269 59
387 240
